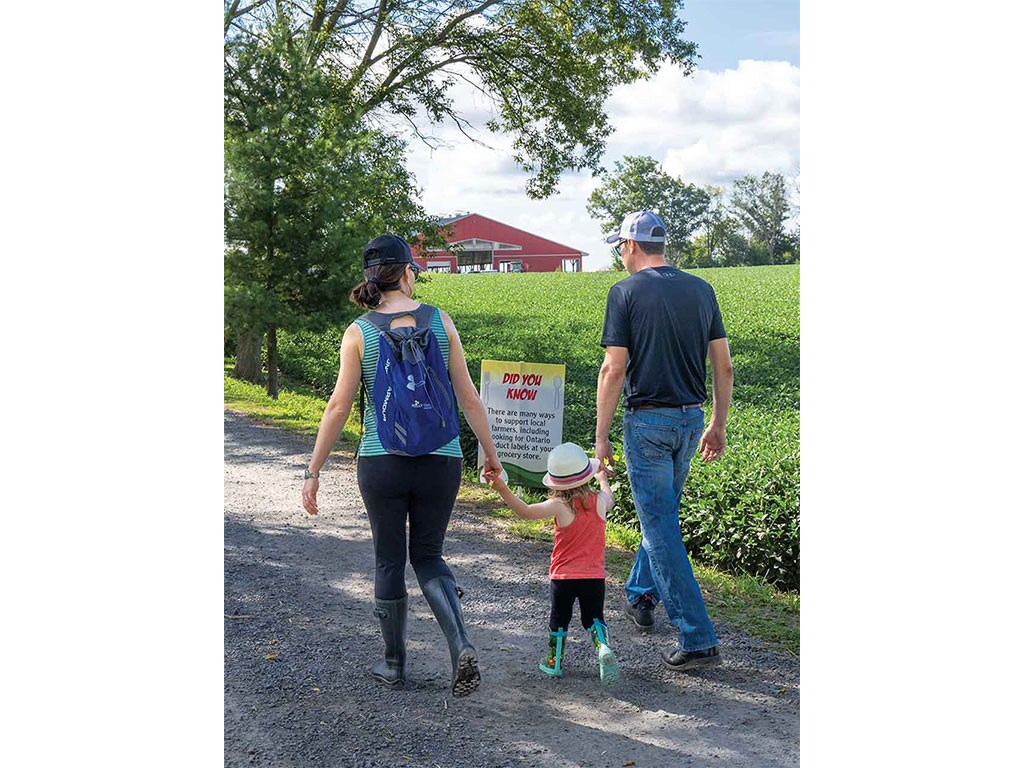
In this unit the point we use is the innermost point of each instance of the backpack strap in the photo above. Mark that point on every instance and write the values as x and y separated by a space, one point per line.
423 315
368 318
362 406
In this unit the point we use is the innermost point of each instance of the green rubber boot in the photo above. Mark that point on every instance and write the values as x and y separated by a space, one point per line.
552 665
606 661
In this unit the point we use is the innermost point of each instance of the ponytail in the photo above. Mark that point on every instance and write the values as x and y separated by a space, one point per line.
377 280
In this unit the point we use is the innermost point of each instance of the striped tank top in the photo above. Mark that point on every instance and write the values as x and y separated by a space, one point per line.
370 443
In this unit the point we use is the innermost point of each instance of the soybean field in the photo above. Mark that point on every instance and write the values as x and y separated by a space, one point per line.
740 513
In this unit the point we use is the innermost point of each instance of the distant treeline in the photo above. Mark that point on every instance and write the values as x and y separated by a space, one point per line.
705 227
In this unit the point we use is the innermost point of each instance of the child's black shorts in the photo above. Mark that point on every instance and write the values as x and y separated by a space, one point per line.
564 592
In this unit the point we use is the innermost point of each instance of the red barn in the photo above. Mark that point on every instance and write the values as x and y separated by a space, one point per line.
479 244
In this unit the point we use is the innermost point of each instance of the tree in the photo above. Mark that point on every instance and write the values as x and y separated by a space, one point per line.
546 66
757 253
762 206
303 188
639 183
789 248
726 246
733 249
338 70
713 226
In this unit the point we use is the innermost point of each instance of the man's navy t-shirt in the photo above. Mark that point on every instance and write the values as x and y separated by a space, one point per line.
665 318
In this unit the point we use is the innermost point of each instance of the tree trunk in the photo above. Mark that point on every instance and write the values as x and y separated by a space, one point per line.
247 357
272 386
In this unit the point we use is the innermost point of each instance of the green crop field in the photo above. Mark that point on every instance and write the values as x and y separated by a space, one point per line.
740 513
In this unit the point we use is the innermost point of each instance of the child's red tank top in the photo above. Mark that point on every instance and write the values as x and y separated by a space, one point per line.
579 546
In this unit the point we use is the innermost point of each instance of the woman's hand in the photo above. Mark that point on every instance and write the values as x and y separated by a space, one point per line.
492 466
309 489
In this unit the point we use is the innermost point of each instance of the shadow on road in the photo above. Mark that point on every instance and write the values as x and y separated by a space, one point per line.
299 635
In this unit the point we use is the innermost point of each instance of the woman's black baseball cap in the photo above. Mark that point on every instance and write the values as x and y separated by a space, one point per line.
388 249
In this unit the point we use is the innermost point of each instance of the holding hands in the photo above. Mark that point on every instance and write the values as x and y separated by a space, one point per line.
604 452
492 468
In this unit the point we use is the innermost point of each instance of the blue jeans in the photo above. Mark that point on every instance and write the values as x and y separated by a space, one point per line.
658 444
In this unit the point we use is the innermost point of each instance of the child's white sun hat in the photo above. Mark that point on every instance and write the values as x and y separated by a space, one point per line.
568 467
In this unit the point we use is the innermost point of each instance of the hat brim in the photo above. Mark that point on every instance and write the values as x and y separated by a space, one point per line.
613 238
556 484
416 267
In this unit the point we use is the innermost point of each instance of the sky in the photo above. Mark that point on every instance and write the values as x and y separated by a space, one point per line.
738 113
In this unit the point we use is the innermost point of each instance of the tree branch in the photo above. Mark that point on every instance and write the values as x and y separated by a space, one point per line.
392 88
318 18
429 41
332 20
230 15
378 27
459 122
233 12
431 141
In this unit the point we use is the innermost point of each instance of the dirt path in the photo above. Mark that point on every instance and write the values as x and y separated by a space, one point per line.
301 588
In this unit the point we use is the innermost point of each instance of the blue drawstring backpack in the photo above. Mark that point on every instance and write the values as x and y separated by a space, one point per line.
413 399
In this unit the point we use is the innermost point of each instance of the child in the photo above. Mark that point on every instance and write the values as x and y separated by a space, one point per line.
577 561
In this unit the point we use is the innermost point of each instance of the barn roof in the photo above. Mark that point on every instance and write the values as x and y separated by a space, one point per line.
475 226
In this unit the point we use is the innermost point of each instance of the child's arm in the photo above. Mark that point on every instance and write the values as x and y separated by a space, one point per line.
547 508
602 481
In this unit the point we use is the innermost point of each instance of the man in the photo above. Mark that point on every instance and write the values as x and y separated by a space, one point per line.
660 325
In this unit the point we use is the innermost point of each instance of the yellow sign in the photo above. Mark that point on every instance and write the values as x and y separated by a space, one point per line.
524 404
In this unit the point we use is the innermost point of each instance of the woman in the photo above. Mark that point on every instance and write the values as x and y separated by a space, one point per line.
396 488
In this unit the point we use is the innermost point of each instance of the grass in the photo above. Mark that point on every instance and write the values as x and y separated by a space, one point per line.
296 409
740 601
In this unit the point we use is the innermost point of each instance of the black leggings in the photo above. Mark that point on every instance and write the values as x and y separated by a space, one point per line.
564 593
420 489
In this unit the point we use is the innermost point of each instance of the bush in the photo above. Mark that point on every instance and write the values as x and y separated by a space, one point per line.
313 358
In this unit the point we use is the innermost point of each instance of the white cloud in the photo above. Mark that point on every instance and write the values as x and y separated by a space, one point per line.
709 128
713 127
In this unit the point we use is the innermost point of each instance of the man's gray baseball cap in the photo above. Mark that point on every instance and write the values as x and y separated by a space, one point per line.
643 226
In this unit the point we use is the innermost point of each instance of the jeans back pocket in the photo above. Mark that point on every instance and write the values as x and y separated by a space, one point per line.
656 441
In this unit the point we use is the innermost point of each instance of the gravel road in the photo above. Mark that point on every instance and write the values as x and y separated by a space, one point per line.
299 590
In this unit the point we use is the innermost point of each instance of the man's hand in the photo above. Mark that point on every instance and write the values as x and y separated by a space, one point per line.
309 489
603 451
712 442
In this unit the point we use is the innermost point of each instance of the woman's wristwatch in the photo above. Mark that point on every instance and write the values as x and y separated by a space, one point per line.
307 475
